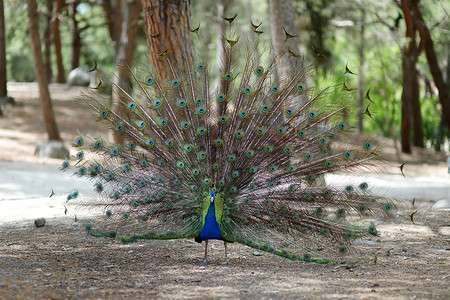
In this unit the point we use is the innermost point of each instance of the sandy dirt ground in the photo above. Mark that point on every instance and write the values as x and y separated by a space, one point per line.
60 261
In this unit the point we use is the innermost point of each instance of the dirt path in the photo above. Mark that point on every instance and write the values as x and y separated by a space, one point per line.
59 261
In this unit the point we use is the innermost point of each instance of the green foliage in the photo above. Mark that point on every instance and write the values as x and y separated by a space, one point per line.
338 43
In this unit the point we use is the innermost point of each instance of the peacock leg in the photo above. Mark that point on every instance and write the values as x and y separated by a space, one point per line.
226 259
206 252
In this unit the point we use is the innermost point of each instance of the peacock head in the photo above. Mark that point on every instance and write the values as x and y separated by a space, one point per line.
213 194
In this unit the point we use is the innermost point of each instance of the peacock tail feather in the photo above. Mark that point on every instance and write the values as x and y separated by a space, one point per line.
260 144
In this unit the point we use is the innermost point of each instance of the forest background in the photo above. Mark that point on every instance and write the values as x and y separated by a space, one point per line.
398 50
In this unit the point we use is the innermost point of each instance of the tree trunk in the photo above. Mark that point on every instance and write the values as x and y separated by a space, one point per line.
61 78
48 40
411 116
282 15
113 15
406 104
222 11
444 90
362 42
282 22
39 70
441 128
76 38
319 21
124 58
417 116
170 20
3 91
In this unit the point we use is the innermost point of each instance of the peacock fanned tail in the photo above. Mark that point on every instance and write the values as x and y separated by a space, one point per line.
261 145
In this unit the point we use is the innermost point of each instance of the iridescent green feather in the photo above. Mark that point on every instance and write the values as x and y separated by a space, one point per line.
264 145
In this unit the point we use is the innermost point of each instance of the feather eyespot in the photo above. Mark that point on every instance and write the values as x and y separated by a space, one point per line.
114 151
98 144
343 126
202 155
247 90
228 76
185 125
223 119
281 130
79 141
239 134
81 171
149 80
259 70
169 143
103 114
201 131
99 187
79 155
260 131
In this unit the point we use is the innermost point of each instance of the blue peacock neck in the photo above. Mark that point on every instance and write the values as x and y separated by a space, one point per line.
211 217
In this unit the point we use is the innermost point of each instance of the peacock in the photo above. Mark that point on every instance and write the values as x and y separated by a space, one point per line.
242 158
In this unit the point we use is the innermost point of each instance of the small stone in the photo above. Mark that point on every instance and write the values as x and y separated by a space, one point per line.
53 149
256 253
39 222
443 203
81 77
